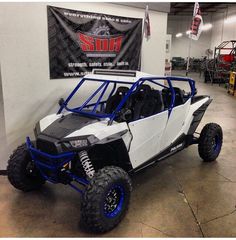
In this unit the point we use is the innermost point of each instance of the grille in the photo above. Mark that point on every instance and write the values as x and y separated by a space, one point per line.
47 147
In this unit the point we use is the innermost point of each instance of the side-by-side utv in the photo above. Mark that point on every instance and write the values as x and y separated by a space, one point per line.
131 120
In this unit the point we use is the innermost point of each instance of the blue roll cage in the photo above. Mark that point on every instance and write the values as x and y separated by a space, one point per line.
55 163
132 89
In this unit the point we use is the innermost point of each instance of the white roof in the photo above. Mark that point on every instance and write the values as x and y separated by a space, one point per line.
118 75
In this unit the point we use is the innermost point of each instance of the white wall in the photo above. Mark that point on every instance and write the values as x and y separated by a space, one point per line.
180 45
222 31
27 91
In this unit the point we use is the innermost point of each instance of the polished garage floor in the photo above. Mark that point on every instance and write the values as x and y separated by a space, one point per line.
179 197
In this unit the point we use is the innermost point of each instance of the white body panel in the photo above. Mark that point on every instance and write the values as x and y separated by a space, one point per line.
154 134
175 123
147 134
102 130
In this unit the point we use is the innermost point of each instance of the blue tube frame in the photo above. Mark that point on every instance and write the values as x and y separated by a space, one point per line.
52 167
134 86
54 164
100 97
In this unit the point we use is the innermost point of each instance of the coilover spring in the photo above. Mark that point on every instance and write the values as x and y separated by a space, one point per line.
86 163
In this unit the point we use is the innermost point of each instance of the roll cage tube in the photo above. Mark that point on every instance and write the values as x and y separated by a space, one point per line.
134 86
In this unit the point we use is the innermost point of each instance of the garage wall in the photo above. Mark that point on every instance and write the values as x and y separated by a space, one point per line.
222 31
180 45
28 93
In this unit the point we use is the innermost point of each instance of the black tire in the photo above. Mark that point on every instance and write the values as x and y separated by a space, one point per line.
110 185
210 142
21 171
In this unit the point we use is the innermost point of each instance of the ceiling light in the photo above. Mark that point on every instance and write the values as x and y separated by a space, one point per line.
231 19
179 35
206 27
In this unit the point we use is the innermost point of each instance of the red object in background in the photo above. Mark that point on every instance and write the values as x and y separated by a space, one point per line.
227 58
195 25
97 44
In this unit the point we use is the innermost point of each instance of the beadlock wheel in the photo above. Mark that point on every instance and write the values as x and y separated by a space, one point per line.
114 201
210 142
106 199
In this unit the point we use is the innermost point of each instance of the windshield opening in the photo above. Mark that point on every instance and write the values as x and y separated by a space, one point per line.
98 98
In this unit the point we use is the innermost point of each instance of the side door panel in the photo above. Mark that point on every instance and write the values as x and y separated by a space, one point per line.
147 135
175 124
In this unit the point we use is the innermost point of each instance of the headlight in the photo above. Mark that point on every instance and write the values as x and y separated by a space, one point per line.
79 143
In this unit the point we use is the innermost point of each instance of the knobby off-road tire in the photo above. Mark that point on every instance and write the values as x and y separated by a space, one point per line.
210 142
21 171
106 199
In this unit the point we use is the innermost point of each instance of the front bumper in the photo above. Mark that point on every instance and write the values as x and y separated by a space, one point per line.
51 167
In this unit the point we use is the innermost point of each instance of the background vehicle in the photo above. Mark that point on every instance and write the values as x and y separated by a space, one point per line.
224 60
130 121
178 63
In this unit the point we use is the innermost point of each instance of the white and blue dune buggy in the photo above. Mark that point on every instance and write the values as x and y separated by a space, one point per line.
131 120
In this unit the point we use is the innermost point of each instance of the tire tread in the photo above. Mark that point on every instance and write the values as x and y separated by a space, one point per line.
204 146
14 171
90 213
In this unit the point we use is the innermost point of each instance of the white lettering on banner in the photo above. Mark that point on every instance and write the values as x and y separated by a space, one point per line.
75 74
95 64
122 63
107 64
112 19
84 64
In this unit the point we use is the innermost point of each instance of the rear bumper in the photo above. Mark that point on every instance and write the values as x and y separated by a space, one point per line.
52 166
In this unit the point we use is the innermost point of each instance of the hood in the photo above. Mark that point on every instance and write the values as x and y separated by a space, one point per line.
72 125
60 126
54 132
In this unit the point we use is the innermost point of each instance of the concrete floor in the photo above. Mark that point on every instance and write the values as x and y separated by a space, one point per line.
179 197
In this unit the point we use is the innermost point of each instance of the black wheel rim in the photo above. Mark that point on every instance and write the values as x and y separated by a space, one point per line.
114 201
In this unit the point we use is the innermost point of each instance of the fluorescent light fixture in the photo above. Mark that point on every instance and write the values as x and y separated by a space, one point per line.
179 35
231 19
188 32
206 27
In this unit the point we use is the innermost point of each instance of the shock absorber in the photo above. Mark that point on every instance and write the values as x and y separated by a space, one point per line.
86 163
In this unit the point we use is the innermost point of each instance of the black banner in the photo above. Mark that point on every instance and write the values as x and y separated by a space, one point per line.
80 41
